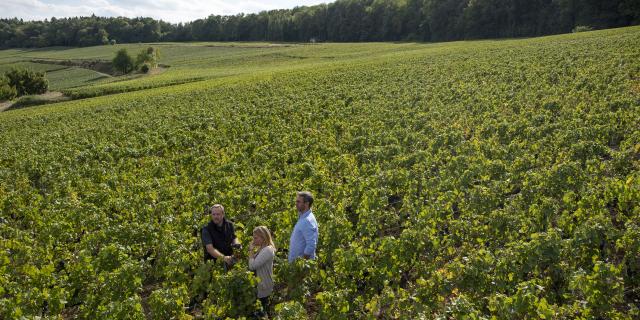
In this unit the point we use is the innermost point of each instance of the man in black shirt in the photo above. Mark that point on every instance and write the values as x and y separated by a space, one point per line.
218 237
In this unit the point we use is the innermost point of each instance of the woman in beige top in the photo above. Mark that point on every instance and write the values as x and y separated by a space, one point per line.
261 254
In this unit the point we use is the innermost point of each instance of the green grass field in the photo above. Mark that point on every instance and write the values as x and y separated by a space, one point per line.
60 77
484 179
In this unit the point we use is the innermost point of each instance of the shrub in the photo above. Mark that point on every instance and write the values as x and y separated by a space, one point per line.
145 68
168 303
149 57
7 92
333 304
290 310
599 291
123 62
230 294
27 81
299 279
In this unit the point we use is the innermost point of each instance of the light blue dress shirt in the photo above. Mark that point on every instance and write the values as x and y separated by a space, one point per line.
304 237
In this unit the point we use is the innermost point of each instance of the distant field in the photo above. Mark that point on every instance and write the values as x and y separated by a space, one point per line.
40 67
486 179
59 76
199 61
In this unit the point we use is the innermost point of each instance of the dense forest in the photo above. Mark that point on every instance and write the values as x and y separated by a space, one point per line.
343 20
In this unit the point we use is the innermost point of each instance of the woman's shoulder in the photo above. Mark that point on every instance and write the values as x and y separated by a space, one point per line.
270 249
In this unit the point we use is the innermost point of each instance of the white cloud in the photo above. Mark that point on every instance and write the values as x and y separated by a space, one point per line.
168 10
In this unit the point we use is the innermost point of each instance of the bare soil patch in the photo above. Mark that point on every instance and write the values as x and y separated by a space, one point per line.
34 100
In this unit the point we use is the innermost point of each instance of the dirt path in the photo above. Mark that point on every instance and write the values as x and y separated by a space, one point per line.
51 95
155 71
40 99
5 105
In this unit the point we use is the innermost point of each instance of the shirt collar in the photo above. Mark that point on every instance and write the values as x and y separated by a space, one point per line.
305 214
221 226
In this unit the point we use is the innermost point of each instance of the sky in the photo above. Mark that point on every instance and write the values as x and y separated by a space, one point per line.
167 10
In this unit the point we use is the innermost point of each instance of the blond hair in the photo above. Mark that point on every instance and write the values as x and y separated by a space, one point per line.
265 234
217 205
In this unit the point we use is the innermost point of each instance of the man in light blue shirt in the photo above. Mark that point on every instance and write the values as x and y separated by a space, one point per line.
304 237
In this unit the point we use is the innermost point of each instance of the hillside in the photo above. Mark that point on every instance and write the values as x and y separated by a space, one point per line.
481 179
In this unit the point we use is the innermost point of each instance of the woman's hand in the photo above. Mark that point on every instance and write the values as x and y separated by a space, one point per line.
252 249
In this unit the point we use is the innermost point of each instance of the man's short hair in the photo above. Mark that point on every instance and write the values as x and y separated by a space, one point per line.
217 205
306 197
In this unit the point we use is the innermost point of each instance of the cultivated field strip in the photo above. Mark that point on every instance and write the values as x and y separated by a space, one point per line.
480 179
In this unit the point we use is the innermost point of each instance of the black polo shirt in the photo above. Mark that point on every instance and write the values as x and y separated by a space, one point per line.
220 237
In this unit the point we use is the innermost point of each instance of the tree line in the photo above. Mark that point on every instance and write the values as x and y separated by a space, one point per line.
340 21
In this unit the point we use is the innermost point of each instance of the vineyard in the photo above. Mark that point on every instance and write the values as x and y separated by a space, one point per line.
475 180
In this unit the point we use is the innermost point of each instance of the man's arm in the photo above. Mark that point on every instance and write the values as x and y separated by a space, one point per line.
217 254
310 234
213 251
